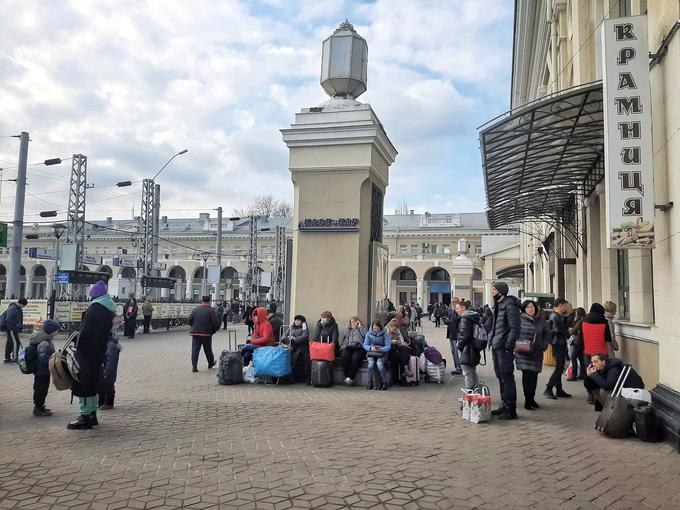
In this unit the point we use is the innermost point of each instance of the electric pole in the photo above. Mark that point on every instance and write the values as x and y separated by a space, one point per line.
76 209
146 238
219 253
251 276
279 279
156 227
13 284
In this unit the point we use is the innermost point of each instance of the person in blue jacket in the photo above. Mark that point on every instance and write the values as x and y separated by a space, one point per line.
42 340
14 320
377 346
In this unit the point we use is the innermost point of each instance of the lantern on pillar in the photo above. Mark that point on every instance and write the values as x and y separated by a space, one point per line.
344 62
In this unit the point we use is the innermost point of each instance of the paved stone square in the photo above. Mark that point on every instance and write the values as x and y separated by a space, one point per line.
179 440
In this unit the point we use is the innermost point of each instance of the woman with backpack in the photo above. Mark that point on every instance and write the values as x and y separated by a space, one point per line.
534 332
469 355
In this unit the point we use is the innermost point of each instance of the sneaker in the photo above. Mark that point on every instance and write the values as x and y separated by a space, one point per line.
41 411
348 381
561 393
210 365
548 393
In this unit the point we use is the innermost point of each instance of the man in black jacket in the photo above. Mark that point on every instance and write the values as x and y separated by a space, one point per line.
559 330
204 324
275 320
452 335
504 334
602 375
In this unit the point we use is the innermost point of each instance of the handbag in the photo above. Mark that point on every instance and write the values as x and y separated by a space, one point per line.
375 354
323 350
525 346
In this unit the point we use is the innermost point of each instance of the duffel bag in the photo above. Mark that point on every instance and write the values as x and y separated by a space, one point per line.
272 362
322 351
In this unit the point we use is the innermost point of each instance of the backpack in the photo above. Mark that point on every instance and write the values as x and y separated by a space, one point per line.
481 338
63 365
433 355
28 359
3 320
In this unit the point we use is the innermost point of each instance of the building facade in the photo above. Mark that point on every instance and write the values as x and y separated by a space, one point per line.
546 168
432 256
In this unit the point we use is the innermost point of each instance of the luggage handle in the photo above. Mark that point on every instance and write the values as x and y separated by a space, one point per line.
621 380
327 337
231 336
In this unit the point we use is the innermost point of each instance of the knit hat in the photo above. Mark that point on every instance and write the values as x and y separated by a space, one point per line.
300 318
98 290
501 287
50 326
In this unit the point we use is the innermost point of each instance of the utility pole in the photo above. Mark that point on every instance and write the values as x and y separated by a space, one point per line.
219 253
156 228
146 238
280 265
251 276
76 209
204 282
13 284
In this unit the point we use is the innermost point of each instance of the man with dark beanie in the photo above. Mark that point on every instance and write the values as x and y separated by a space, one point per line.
504 334
204 324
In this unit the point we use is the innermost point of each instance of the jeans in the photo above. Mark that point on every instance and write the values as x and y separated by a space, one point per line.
504 368
381 368
247 354
529 383
12 345
351 361
560 353
225 320
470 374
147 323
455 353
578 363
41 385
88 405
202 341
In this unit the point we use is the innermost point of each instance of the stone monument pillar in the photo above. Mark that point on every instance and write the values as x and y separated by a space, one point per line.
461 278
339 158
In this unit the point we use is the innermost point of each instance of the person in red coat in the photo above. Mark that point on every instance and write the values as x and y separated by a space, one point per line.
263 335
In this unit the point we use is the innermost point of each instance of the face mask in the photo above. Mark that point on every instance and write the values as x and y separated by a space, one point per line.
324 321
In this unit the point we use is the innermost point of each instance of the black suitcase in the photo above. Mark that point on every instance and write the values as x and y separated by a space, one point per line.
645 424
322 374
230 366
616 418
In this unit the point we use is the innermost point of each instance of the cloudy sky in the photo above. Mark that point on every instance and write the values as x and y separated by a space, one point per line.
130 83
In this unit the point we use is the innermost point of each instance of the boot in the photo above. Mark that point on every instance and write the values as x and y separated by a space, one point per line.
83 422
93 418
370 384
527 404
194 369
534 404
598 406
499 411
561 393
549 393
591 399
384 386
41 411
509 414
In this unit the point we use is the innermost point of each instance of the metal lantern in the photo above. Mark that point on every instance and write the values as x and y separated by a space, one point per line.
344 62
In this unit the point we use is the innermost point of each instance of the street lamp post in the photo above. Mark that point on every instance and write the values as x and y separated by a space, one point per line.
204 283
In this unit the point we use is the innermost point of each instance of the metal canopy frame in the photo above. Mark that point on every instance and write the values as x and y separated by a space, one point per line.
542 159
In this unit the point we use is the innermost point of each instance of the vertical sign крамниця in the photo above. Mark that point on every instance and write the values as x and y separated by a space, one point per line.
629 173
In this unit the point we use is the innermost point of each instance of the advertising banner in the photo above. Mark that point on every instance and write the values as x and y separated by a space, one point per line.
35 312
629 173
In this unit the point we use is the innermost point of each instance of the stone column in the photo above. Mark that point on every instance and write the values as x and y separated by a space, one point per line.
29 283
419 293
461 278
189 290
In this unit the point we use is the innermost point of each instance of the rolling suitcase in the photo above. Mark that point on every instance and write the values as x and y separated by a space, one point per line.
230 367
616 418
322 374
645 424
413 373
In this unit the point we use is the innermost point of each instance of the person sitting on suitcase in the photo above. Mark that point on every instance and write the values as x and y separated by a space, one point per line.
298 339
263 335
377 347
400 352
352 349
602 374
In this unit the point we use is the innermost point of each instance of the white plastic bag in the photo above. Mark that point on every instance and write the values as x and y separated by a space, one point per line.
422 363
249 374
636 395
480 407
466 403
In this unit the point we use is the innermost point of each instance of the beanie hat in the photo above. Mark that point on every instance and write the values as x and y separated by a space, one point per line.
501 287
50 326
99 289
300 318
272 308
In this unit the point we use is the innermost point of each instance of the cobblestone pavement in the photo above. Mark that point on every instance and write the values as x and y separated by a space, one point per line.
179 440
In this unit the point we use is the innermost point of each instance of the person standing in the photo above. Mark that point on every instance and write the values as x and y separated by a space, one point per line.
147 312
42 340
109 374
219 311
438 313
559 333
534 328
204 324
130 312
275 320
248 318
14 320
469 355
452 335
95 329
419 314
504 334
578 368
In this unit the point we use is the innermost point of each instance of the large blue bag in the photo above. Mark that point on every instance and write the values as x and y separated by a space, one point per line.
272 362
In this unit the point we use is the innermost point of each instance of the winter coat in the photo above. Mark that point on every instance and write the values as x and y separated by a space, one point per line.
276 321
353 338
248 315
379 339
487 318
532 328
14 318
203 321
147 309
95 329
505 329
131 309
263 334
110 369
45 348
559 329
219 311
299 336
452 327
607 377
596 333
466 334
329 330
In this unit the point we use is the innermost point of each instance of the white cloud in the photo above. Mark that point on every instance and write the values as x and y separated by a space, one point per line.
130 83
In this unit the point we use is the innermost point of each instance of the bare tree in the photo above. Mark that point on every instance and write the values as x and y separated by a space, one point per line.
266 205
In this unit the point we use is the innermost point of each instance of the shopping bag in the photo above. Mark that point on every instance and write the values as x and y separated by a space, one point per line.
249 374
322 351
480 406
271 362
467 403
